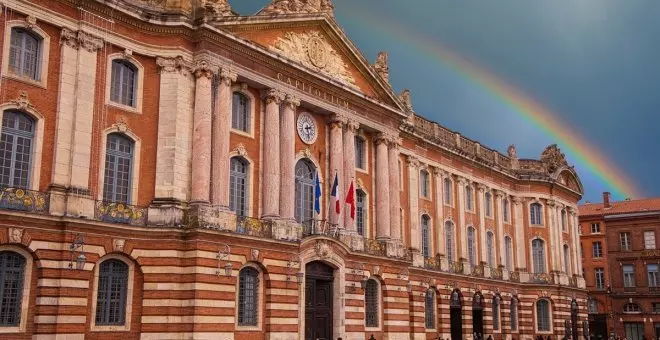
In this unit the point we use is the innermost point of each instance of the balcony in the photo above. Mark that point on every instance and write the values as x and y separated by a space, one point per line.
116 212
654 289
544 278
31 201
253 227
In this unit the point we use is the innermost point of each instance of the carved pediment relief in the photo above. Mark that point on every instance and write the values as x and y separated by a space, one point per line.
298 6
312 50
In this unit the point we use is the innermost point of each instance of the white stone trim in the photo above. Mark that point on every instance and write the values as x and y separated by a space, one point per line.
260 303
44 53
129 295
139 82
35 172
253 110
135 172
27 284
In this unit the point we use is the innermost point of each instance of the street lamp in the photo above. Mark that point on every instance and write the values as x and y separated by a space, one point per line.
77 246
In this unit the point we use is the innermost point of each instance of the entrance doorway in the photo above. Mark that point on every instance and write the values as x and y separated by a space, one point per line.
456 315
574 319
598 326
318 301
478 314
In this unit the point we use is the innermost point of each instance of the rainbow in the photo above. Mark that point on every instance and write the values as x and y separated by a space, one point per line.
533 112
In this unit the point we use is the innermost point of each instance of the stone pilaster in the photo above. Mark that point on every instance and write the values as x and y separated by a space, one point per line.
438 179
575 240
173 167
201 141
349 168
221 137
520 243
337 123
382 188
413 202
481 190
499 225
551 246
461 231
288 157
271 155
395 195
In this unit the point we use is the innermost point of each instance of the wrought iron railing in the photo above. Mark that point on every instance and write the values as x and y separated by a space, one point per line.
24 200
497 273
514 276
541 278
478 270
321 228
433 263
654 289
455 267
253 227
375 247
117 212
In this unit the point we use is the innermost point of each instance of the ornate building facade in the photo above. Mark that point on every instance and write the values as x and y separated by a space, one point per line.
171 170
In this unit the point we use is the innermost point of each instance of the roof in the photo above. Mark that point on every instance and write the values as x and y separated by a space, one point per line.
621 207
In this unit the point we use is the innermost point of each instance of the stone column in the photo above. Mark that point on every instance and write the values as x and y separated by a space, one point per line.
461 231
349 169
395 194
413 201
481 190
499 222
201 144
576 245
221 137
438 179
559 248
382 188
288 157
552 232
575 241
336 167
520 241
271 155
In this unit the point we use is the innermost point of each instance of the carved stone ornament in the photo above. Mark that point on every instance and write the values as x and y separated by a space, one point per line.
377 270
120 125
278 7
255 254
322 249
216 9
511 150
312 50
381 66
15 235
76 39
23 102
118 245
240 150
406 100
553 158
170 65
202 69
30 22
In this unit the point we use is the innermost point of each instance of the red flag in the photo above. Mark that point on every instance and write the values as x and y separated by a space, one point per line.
350 199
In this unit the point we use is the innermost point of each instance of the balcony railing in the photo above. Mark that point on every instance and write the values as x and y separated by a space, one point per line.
321 228
433 263
632 289
253 227
117 212
654 289
24 200
375 247
541 278
497 272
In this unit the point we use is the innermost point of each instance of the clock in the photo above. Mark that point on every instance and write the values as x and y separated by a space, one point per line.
306 127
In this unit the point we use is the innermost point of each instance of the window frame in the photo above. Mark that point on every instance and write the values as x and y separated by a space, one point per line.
496 314
123 292
469 198
245 115
506 210
128 309
567 258
17 133
628 276
646 240
138 92
536 214
564 221
490 249
244 90
378 304
430 309
599 278
655 282
625 241
137 149
447 191
246 185
424 184
127 73
44 53
308 184
631 308
595 228
508 253
513 314
119 155
425 221
38 138
488 204
597 249
543 257
471 235
25 289
537 317
361 211
258 301
450 239
364 159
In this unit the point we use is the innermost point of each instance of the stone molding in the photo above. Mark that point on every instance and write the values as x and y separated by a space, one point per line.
171 65
77 39
291 101
273 96
227 75
279 7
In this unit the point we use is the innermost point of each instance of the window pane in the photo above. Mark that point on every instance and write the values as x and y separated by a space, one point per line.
371 303
248 297
649 240
426 249
490 248
447 191
359 153
12 267
304 200
240 118
514 314
16 149
496 313
429 308
538 256
449 241
24 53
508 253
122 82
111 293
118 168
543 315
238 180
471 246
360 218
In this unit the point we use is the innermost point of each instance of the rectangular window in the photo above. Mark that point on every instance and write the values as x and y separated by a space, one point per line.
656 307
424 183
597 250
360 151
505 210
359 212
488 200
595 228
447 191
600 278
624 240
628 275
468 199
649 240
653 275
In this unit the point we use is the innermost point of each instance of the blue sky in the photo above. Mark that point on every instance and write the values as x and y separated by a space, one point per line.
596 63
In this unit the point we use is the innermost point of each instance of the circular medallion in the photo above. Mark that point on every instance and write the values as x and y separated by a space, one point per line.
306 127
316 52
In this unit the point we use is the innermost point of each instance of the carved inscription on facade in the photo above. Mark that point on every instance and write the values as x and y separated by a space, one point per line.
314 91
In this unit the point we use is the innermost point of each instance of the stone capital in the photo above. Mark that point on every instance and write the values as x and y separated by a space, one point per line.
170 65
352 125
69 38
394 142
291 101
412 161
337 120
272 96
462 181
571 210
202 68
89 42
551 203
482 187
227 76
500 194
516 199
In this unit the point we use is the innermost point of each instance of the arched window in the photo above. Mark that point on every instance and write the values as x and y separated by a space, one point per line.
429 309
238 185
567 259
12 274
469 200
535 214
305 176
496 313
371 297
111 293
592 306
488 201
240 112
248 297
490 249
632 308
426 236
513 315
471 247
538 256
508 253
564 220
505 209
360 211
16 145
424 183
543 315
118 168
449 240
446 190
24 53
123 82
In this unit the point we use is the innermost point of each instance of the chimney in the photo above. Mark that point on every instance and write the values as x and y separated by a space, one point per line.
606 200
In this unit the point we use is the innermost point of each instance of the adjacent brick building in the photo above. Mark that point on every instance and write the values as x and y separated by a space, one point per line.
168 171
621 266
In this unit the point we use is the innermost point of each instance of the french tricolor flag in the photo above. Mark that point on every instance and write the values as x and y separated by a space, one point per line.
335 193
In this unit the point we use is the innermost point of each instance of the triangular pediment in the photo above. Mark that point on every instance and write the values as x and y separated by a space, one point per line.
318 44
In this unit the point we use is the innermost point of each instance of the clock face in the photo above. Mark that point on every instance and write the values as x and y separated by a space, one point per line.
307 128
